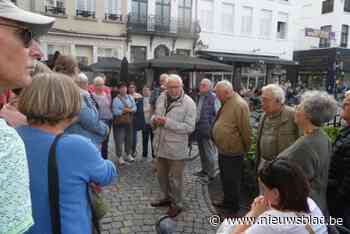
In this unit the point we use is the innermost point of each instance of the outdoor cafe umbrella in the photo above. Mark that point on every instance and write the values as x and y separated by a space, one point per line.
184 63
106 64
124 70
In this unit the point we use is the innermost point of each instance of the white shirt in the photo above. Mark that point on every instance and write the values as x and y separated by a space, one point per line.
290 228
227 227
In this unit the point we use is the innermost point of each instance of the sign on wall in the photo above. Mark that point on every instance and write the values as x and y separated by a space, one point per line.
311 32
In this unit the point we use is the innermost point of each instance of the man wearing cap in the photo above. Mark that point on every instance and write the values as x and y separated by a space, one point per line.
17 28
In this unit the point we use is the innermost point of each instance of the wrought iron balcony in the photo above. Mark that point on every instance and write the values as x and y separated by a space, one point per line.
86 14
163 26
114 17
55 10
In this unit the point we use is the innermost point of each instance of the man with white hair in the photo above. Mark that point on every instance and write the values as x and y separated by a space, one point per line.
232 135
173 121
277 129
207 107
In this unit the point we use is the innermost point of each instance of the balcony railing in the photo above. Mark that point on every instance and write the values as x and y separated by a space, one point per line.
114 17
86 14
55 10
155 24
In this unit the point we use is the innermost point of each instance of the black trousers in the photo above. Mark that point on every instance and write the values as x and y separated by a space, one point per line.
146 133
231 169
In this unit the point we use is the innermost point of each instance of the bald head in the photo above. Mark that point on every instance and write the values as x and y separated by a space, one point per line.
224 90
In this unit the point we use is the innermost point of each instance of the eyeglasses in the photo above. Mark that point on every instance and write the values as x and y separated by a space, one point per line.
24 34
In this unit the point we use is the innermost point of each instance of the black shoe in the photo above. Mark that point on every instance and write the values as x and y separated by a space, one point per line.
200 173
163 202
222 205
174 211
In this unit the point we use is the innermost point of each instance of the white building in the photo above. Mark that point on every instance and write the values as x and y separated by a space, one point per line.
329 16
86 29
246 32
160 28
321 43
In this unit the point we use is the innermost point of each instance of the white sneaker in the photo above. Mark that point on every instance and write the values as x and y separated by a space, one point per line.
121 161
129 158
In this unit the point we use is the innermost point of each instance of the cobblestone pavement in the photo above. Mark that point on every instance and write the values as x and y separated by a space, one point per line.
130 201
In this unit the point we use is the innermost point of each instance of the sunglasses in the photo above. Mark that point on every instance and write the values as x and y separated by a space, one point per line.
24 34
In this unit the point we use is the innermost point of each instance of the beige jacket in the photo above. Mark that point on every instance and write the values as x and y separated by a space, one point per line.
232 131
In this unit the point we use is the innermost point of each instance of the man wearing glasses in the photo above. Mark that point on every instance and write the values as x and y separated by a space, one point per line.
17 29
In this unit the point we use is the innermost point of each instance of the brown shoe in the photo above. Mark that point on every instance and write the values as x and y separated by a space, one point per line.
163 202
174 211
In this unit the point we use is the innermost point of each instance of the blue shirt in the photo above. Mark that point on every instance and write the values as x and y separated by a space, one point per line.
118 105
79 162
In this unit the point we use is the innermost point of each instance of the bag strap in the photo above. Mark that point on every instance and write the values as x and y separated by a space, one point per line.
307 226
53 182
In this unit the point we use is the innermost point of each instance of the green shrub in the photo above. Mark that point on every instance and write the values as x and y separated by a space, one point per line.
332 132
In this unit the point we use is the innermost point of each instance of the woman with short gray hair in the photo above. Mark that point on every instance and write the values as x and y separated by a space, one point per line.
313 150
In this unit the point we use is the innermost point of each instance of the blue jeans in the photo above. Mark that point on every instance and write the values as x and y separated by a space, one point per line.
207 153
123 135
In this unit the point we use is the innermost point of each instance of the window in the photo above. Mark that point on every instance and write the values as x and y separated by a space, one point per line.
325 42
247 20
107 52
227 17
163 15
138 53
347 5
86 8
51 49
207 15
84 54
183 52
185 14
139 9
282 26
111 6
265 23
161 51
327 6
344 36
55 7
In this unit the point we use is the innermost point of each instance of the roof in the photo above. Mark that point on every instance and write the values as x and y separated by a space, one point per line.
184 63
245 58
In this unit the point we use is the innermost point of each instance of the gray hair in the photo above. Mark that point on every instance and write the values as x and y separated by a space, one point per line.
174 77
277 92
210 84
347 93
319 106
99 78
226 84
82 78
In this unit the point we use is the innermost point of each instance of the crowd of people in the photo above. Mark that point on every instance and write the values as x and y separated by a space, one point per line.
56 111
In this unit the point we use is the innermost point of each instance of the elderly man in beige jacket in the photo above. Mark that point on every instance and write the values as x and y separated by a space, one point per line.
174 119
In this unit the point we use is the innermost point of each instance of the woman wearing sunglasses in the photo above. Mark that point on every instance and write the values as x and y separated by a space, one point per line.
285 200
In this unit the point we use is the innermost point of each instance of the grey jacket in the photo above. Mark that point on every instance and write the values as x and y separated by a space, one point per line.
171 140
313 153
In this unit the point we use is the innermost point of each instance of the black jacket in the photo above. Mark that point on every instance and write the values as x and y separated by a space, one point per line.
339 174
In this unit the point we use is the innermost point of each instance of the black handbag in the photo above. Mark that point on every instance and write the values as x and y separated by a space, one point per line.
98 206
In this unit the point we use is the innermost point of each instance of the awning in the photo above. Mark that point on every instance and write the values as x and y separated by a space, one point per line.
244 58
106 64
184 63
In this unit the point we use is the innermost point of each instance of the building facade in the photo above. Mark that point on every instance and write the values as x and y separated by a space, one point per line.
257 37
322 47
86 29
